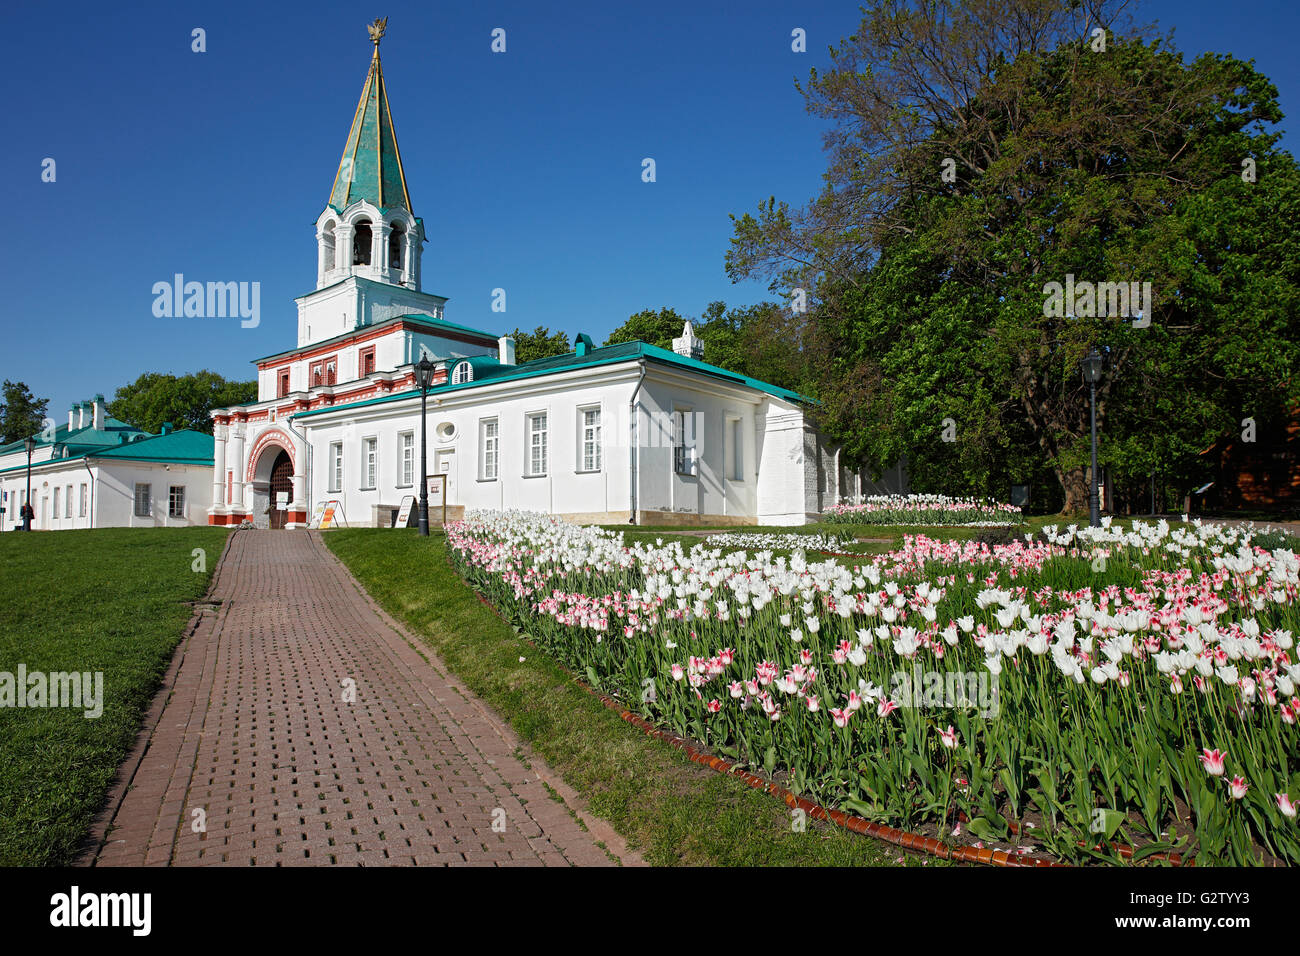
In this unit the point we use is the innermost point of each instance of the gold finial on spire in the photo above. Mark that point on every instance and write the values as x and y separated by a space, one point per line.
377 30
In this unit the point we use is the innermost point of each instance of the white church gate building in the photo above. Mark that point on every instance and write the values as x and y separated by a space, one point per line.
619 433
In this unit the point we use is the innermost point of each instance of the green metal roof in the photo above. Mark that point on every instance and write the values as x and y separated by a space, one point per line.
175 448
486 372
434 325
371 167
79 439
182 447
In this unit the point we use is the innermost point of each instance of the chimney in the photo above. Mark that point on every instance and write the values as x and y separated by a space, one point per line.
99 413
506 350
688 345
72 417
81 415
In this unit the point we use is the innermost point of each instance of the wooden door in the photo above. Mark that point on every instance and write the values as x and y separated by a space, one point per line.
281 483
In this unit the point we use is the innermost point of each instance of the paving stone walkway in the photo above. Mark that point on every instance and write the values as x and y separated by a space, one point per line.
252 755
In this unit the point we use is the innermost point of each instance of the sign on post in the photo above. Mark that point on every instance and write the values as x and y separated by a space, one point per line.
438 494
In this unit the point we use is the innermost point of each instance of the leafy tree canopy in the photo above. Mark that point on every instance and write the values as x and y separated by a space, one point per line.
22 414
982 150
183 400
654 328
539 344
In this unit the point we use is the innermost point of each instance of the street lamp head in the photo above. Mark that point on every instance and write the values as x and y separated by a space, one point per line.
30 444
424 373
1093 363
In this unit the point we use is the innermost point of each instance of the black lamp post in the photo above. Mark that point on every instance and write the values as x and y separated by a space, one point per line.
1092 366
30 445
424 378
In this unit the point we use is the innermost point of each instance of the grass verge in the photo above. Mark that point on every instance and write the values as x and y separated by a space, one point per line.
110 601
675 812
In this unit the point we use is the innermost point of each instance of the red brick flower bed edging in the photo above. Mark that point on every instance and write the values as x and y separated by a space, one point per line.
906 839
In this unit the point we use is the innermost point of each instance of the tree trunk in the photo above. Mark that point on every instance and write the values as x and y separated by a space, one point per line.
1075 485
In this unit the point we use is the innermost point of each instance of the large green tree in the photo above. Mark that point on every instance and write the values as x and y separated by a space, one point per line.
539 344
183 400
22 414
649 326
980 151
764 341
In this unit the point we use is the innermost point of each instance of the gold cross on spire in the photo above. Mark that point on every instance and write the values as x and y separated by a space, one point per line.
377 30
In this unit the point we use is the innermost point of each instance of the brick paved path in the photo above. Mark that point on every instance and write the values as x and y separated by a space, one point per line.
253 730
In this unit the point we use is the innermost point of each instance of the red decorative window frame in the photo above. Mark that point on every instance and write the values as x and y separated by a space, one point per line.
365 361
324 372
282 383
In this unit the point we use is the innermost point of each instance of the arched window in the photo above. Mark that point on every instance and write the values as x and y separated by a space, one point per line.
361 243
462 373
395 243
327 246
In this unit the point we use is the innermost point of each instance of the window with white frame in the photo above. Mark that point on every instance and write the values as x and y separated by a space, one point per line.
176 501
336 466
406 441
735 450
67 502
461 373
82 509
143 500
589 439
489 444
56 502
683 441
370 460
536 451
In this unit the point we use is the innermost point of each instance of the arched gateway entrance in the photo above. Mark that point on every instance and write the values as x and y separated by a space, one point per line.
272 484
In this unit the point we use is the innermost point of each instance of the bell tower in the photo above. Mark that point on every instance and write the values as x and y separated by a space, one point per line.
368 228
368 239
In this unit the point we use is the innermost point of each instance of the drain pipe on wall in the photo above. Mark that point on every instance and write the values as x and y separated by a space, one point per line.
632 448
288 423
86 462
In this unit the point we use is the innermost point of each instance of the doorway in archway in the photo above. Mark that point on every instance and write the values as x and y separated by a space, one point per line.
281 489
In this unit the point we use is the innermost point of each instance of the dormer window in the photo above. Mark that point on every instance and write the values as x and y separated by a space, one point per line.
462 373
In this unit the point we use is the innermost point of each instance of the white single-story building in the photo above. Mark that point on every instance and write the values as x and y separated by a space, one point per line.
99 472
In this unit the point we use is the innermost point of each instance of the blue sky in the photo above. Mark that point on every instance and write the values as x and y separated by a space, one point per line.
526 166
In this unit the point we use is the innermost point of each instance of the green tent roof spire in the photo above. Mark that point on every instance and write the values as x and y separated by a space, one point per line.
371 167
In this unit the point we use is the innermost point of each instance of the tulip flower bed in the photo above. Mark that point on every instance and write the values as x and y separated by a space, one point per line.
919 510
769 541
1102 684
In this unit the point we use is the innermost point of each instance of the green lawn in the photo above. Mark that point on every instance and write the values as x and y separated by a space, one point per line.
110 600
673 811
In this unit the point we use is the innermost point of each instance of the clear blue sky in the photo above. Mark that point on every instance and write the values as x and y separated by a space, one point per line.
526 167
